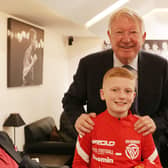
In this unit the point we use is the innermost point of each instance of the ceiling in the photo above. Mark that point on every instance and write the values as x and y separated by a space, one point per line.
69 17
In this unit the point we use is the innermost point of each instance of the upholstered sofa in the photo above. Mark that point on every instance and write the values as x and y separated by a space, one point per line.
43 137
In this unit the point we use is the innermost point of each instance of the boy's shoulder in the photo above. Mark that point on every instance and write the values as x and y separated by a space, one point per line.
100 117
134 117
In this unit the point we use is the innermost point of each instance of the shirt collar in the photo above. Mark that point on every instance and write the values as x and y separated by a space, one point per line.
133 64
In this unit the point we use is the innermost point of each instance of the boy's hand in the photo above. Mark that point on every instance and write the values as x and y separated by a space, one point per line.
145 125
84 123
140 166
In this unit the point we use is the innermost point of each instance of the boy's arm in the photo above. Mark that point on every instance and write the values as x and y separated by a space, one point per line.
149 154
82 152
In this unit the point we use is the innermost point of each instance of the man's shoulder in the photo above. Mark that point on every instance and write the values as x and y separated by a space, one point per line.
98 55
152 64
147 56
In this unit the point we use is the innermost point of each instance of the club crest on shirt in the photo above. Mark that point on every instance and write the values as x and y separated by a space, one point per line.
132 151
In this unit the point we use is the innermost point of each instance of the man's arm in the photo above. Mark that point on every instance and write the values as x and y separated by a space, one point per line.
75 98
157 118
161 117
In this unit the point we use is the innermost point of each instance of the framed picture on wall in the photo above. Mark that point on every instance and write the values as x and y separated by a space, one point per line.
25 45
159 47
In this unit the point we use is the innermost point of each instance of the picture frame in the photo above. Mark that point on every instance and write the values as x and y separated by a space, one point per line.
25 44
159 47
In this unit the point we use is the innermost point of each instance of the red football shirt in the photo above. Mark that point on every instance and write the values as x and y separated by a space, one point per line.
113 143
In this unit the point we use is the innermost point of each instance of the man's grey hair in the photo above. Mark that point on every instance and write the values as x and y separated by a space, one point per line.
129 13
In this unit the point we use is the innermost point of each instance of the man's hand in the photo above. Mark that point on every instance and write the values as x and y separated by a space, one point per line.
145 125
84 123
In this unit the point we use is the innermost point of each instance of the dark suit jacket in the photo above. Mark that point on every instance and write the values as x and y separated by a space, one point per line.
152 86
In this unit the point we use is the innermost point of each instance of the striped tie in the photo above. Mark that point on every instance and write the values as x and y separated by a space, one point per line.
128 67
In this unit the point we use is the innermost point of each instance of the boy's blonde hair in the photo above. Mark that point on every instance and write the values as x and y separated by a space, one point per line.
119 72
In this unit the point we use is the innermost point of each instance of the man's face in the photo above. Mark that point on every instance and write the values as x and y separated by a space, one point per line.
126 38
119 95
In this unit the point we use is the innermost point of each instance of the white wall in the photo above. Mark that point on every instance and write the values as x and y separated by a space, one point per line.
156 25
34 102
81 47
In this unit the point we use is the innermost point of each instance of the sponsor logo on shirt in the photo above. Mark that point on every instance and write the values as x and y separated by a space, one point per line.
102 159
102 151
132 151
103 142
132 141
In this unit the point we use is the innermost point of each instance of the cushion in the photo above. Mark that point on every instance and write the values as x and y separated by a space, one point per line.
54 136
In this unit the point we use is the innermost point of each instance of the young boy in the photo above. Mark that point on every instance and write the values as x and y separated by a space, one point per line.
113 143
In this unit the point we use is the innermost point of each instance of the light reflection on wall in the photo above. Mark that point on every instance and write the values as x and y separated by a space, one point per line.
20 36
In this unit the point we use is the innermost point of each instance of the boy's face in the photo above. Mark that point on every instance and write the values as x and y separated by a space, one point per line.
119 94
